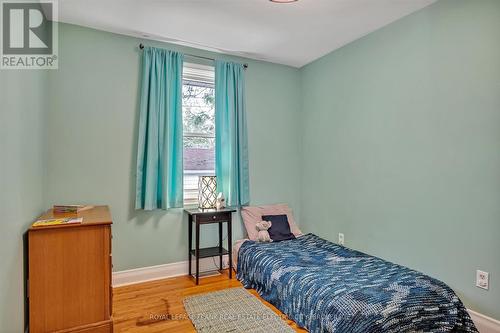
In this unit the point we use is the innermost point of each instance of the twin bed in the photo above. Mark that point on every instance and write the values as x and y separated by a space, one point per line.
325 287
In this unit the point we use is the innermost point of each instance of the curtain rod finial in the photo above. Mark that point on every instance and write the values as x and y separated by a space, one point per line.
141 46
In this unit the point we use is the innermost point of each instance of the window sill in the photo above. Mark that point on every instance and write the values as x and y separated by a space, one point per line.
190 205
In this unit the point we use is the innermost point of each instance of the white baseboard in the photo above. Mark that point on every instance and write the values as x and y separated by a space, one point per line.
484 324
145 274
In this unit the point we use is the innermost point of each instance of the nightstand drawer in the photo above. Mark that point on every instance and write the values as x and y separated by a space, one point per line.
213 217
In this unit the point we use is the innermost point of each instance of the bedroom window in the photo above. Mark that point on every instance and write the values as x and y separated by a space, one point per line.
198 114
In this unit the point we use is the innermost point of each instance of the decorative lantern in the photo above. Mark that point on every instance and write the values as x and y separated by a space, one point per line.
207 192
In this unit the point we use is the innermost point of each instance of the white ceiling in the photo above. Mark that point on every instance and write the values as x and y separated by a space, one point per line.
292 34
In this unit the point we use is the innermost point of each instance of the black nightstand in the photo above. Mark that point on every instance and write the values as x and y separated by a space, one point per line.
208 216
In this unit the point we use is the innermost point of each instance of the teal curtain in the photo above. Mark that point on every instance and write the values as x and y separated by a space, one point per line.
159 150
231 148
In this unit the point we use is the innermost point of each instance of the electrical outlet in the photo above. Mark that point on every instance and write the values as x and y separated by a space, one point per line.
341 238
482 279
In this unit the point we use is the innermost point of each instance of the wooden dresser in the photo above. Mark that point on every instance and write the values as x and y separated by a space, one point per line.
69 274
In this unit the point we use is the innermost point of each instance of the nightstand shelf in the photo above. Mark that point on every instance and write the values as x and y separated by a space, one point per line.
210 252
200 217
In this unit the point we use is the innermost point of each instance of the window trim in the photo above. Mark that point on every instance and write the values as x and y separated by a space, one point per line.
199 74
198 135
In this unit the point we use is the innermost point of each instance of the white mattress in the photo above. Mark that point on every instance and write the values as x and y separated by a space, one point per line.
236 249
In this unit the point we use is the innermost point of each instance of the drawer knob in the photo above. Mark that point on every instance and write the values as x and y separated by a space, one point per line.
214 217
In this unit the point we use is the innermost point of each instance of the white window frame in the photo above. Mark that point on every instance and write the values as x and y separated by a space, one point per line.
204 75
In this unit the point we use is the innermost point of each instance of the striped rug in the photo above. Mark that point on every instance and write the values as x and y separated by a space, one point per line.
232 310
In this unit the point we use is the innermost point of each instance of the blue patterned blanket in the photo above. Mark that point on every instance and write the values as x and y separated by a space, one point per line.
325 287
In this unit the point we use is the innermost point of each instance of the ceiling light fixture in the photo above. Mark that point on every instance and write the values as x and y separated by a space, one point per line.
283 1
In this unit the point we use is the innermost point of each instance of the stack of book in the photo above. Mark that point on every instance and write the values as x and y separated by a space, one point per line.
61 209
49 222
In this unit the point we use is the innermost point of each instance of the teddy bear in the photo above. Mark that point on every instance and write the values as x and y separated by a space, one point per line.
263 235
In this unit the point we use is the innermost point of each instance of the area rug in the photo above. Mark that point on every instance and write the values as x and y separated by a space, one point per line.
232 310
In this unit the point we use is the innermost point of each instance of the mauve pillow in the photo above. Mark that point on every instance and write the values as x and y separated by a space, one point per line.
279 230
253 214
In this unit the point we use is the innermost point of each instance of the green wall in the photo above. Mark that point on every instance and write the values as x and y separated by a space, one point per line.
23 103
401 145
92 128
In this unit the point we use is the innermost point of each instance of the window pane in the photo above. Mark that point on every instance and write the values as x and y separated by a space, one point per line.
198 112
199 142
199 159
197 162
198 109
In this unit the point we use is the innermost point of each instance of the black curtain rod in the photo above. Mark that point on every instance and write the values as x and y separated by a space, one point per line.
141 46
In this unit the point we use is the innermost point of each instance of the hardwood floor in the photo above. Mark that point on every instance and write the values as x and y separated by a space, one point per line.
157 306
